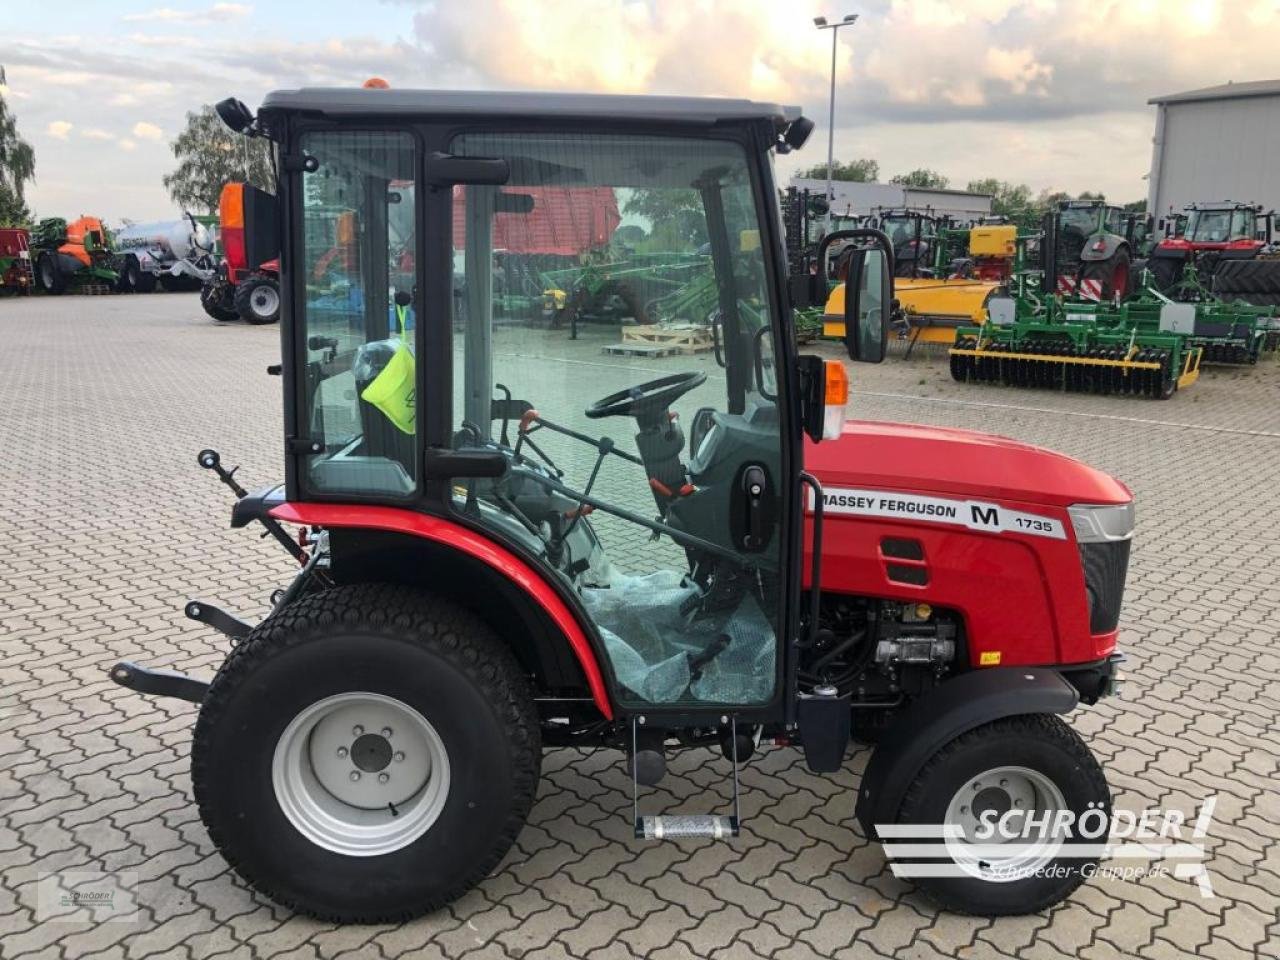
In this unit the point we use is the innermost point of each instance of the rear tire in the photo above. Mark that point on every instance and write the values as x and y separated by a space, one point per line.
257 300
1114 273
452 714
1009 761
50 277
1165 272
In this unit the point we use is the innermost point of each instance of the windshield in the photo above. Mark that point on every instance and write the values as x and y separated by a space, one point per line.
900 228
1083 220
1209 226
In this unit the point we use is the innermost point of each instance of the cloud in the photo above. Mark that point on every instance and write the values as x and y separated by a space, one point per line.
126 144
97 133
147 131
219 12
58 129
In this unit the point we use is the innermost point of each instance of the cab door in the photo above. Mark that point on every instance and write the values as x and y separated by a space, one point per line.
615 336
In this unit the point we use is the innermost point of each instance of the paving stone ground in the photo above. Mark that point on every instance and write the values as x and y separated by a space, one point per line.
107 525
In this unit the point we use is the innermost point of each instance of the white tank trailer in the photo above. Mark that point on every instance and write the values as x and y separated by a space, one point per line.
178 254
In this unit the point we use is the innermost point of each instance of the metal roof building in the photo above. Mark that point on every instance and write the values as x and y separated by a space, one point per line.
1217 143
856 199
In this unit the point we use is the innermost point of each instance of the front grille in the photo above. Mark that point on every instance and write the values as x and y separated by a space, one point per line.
1105 566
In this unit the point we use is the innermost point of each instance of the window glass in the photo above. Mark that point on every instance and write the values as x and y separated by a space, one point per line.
613 338
358 258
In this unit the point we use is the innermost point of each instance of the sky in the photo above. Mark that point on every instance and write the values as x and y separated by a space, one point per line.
1045 92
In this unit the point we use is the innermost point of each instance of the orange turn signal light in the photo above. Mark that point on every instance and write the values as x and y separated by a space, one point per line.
837 392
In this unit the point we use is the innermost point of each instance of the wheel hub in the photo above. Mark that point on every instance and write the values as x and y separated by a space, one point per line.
361 773
982 801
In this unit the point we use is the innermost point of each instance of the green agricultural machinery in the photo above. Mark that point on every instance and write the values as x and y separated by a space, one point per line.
1149 345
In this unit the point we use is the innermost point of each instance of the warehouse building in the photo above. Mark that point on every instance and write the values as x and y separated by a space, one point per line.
1218 143
853 199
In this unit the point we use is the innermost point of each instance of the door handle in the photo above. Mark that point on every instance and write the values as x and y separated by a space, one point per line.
755 490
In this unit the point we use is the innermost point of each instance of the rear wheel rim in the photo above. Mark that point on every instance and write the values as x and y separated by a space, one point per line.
361 774
998 790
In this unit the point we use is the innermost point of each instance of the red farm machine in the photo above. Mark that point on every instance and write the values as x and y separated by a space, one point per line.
508 549
239 289
16 275
1225 249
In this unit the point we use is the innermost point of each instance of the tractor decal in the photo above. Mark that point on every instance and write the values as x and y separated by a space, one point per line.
973 514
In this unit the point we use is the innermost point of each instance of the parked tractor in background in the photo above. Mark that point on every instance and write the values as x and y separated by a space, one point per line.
1096 249
1231 247
16 275
173 254
76 255
235 290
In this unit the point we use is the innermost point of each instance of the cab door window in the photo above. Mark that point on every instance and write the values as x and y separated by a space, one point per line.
360 403
613 339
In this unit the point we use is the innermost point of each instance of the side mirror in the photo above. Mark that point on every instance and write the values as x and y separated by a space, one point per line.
868 300
234 114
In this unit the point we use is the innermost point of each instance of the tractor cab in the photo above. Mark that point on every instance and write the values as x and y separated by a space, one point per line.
659 497
1205 248
913 234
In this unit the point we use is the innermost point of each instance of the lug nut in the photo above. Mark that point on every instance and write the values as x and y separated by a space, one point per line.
355 775
386 733
357 731
342 751
399 757
384 777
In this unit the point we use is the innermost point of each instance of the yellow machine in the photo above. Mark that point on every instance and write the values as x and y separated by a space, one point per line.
933 307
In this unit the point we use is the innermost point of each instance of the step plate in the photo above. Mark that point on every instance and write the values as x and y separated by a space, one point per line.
680 826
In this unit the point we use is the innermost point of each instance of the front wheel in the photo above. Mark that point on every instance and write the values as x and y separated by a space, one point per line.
1014 797
367 754
1112 275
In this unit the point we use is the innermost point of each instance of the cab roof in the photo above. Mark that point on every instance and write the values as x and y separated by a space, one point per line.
362 102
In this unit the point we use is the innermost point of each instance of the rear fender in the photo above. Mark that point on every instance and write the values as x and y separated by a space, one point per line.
1110 245
955 707
517 577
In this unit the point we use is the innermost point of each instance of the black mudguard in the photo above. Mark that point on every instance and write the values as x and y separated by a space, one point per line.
955 707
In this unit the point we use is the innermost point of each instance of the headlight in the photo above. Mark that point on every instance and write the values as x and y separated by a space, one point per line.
1102 524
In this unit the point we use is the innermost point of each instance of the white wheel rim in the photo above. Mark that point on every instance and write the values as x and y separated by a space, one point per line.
361 774
265 301
998 790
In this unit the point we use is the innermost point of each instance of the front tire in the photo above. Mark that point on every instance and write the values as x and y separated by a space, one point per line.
1034 761
427 709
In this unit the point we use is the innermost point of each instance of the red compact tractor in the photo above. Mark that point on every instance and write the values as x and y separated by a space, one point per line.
16 274
509 545
236 291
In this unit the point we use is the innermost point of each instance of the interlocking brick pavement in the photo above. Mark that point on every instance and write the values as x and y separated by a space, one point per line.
107 525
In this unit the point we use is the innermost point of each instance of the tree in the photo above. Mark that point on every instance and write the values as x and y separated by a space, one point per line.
1010 200
17 167
922 177
861 170
211 155
676 218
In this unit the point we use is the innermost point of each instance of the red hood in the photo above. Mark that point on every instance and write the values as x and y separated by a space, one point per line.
901 456
1183 245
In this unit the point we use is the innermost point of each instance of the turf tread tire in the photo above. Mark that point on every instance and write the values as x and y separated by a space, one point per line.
1048 727
449 632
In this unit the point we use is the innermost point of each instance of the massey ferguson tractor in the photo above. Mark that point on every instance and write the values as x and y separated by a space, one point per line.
1223 249
509 545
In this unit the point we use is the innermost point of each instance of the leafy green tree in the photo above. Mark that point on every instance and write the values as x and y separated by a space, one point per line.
861 170
1011 200
211 155
17 167
676 218
924 178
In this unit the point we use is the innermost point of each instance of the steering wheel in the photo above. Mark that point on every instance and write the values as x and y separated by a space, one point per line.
647 401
